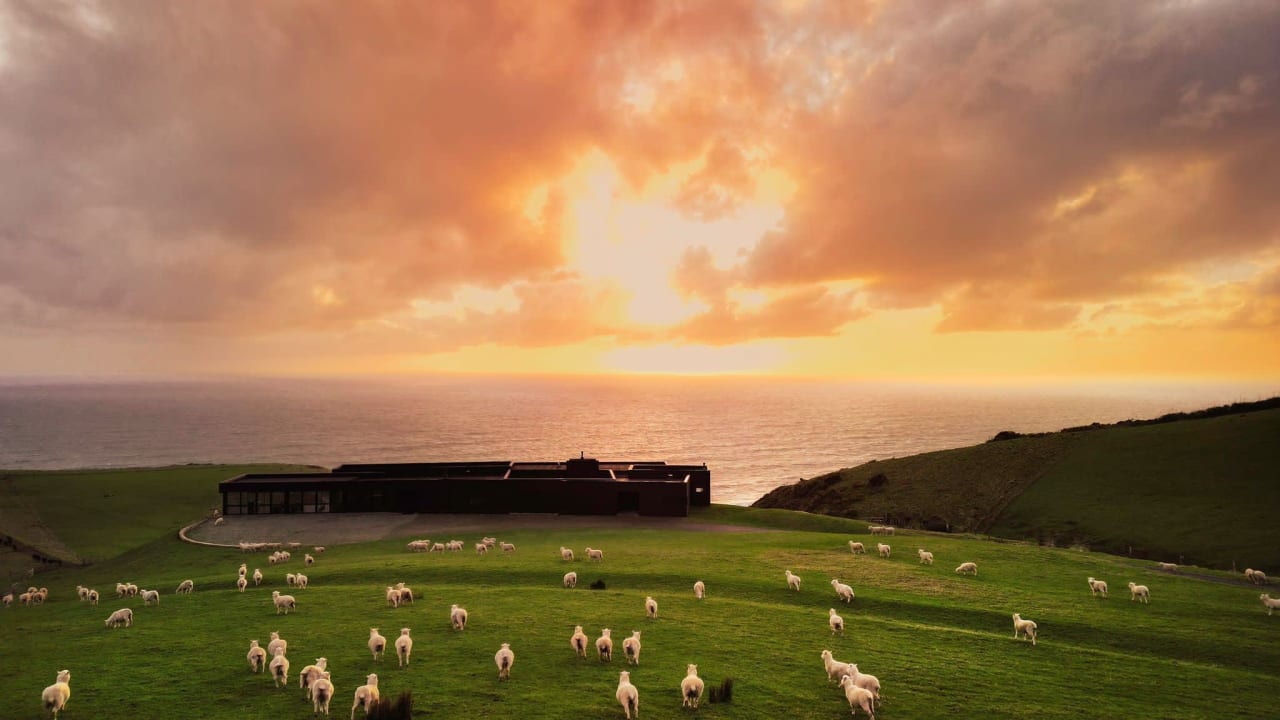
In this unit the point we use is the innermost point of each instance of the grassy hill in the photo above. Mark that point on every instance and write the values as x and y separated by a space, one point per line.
941 644
1203 490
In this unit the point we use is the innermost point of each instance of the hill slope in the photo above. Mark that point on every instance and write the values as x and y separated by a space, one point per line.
1164 490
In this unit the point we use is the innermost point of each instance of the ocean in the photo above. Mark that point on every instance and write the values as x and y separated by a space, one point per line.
754 433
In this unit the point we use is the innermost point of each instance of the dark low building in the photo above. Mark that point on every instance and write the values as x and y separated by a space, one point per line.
581 486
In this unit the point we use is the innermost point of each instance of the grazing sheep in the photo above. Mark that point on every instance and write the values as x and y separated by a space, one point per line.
122 589
604 645
307 678
283 602
835 669
275 643
926 557
150 596
279 669
366 696
1139 592
566 553
1097 586
1269 602
301 581
858 697
307 560
243 570
377 643
393 597
481 548
123 616
404 646
699 589
1171 567
835 621
8 599
1025 627
571 580
55 697
186 586
508 547
322 693
406 593
257 657
595 554
627 695
967 568
257 577
578 642
25 598
857 548
458 617
1259 577
844 592
504 659
691 688
93 597
882 549
651 608
631 648
864 681
793 581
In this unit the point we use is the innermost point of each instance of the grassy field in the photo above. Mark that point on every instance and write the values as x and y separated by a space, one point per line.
941 644
1167 491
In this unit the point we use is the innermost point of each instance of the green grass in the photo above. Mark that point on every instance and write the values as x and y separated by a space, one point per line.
940 644
1203 490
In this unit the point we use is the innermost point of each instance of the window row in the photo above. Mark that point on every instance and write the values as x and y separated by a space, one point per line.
265 503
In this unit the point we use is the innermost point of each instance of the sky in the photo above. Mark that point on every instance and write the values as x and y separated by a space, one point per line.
875 189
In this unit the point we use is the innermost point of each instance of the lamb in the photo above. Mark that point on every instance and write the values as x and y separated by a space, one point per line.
1269 602
186 586
1171 567
283 602
508 547
322 693
55 697
882 549
404 646
571 580
301 581
123 616
595 554
406 593
604 645
844 592
566 553
504 658
307 678
858 697
93 597
926 557
857 548
1139 592
793 581
835 669
458 617
691 688
257 577
651 608
279 669
835 621
150 596
366 696
481 548
864 681
967 568
276 642
1026 628
307 560
377 643
1097 586
627 695
699 589
257 657
631 648
393 597
578 642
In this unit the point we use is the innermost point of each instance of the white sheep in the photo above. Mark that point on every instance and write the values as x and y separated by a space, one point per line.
458 617
864 681
437 547
290 579
874 529
651 608
926 557
1259 577
93 597
55 697
1171 567
481 548
319 549
257 657
631 648
835 669
504 659
301 581
406 593
1139 592
1269 602
243 570
793 581
276 643
39 596
490 541
508 547
844 592
7 599
377 643
366 696
835 621
122 589
241 583
1026 628
404 646
571 580
858 697
628 695
322 693
691 688
393 597
967 568
186 586
82 592
150 596
308 560
123 616
595 554
455 545
857 548
883 550
219 521
283 602
604 645
566 553
699 589
279 669
578 641
307 678
419 545
1097 587
130 589
257 577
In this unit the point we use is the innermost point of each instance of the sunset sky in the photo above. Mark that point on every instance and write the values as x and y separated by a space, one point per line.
877 189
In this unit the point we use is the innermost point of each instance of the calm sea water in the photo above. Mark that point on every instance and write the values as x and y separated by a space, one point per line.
754 433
